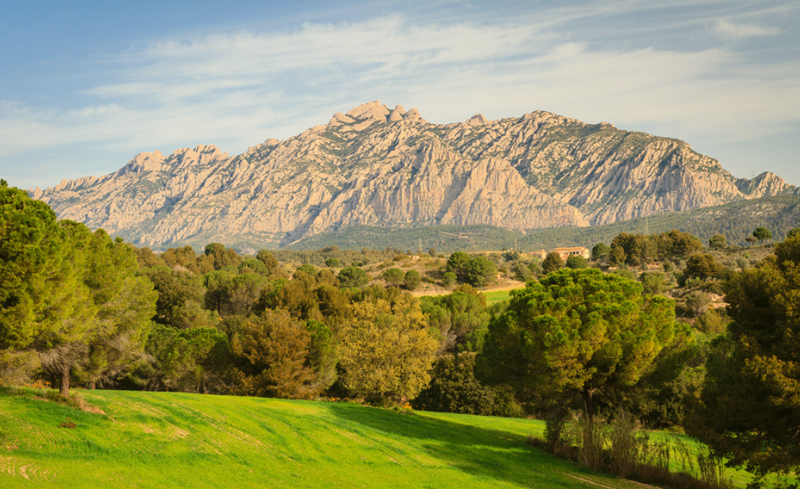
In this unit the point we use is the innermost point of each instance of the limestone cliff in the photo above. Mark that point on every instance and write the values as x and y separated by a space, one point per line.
390 167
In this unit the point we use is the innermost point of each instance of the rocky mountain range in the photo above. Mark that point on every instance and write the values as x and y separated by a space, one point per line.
390 167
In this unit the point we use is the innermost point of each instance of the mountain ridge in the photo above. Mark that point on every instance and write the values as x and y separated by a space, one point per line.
377 166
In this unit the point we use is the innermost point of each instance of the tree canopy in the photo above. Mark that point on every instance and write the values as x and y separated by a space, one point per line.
575 334
750 403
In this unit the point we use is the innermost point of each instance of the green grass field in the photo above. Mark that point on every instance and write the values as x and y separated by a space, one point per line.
148 440
496 296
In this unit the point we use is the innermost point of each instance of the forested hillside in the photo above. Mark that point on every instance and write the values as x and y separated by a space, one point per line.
735 220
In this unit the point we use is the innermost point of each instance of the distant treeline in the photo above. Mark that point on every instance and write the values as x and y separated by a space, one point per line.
735 220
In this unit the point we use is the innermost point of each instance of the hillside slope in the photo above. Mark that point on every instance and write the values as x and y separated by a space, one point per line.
735 220
154 440
391 168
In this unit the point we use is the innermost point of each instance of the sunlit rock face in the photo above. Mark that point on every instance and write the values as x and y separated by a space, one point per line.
390 167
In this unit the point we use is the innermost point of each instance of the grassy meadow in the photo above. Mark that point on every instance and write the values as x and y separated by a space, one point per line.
495 296
149 439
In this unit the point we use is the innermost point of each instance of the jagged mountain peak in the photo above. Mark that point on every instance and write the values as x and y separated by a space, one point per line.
389 167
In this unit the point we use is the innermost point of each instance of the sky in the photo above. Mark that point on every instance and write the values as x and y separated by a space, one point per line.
87 85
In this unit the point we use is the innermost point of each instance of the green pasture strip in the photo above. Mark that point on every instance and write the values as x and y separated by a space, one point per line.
496 296
164 440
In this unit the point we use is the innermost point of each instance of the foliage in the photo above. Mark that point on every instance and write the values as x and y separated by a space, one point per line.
386 348
600 251
552 262
577 333
412 280
520 271
393 276
717 242
448 279
461 318
697 301
640 250
175 290
703 266
333 262
454 389
271 351
479 271
575 262
188 360
762 234
712 322
457 264
37 275
352 276
322 355
652 282
750 406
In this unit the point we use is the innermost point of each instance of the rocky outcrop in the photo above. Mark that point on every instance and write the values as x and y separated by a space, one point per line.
390 167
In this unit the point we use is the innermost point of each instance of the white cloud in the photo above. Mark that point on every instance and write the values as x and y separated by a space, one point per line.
727 28
237 89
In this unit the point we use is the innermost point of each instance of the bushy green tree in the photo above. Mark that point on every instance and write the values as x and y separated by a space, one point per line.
393 276
600 251
575 262
454 388
448 279
717 242
750 403
37 274
520 271
333 263
192 360
176 291
457 263
762 234
386 348
272 350
552 262
352 277
479 271
577 334
652 282
703 266
412 280
322 356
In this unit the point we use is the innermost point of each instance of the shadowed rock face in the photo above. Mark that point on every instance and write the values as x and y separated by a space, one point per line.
390 167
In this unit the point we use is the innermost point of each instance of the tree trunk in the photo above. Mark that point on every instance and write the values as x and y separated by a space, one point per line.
64 390
93 385
588 410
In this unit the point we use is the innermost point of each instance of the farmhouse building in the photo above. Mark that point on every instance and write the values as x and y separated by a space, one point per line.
573 251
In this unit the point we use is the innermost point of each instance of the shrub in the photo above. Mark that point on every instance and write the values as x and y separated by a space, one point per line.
480 271
412 280
552 262
333 263
575 262
697 301
652 282
352 277
711 322
448 279
393 276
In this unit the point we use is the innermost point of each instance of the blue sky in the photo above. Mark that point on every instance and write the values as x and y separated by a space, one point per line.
87 85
